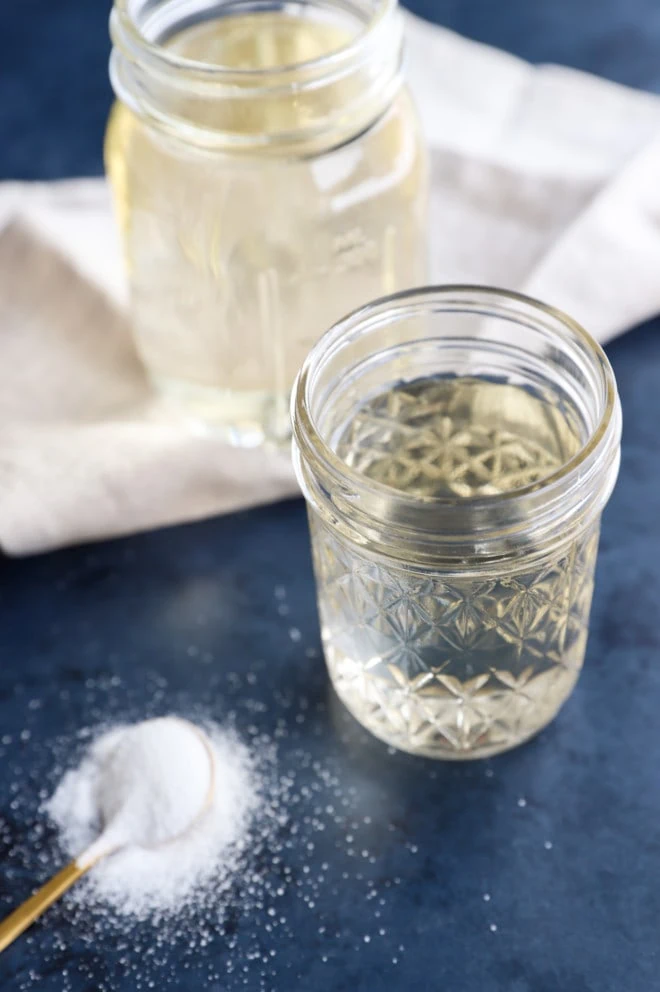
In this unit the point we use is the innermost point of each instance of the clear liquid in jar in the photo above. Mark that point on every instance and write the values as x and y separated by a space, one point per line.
237 263
462 665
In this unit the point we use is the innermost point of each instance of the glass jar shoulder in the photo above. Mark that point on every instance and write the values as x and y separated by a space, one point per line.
382 170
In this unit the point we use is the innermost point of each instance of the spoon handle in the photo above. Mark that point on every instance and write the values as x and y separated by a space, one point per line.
18 921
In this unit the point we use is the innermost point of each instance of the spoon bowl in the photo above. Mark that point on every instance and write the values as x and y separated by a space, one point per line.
131 814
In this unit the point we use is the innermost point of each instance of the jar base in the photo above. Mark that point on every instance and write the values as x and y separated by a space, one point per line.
446 732
242 418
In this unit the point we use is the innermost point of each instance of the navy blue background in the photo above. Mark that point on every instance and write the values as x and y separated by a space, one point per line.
563 834
55 95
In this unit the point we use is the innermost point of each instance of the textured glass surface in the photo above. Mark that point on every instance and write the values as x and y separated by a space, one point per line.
457 667
467 661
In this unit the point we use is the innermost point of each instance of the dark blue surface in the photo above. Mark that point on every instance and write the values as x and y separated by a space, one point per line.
187 619
563 834
55 95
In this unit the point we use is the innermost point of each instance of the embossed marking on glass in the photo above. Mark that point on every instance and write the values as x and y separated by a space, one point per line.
456 446
269 176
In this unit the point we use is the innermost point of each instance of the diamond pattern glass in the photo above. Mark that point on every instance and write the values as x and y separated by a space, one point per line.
452 667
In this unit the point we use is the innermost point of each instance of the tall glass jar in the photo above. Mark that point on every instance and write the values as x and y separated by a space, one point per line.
456 447
269 176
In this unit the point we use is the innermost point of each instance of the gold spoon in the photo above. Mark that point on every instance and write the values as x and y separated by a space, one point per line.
115 835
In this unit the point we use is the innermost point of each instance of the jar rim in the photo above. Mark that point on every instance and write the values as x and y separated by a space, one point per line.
465 298
330 62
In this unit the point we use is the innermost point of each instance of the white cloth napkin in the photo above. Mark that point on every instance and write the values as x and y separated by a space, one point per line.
544 179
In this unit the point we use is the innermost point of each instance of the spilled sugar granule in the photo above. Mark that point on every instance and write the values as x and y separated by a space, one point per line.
273 918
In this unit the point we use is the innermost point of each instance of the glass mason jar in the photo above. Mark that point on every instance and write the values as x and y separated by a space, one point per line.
456 446
269 176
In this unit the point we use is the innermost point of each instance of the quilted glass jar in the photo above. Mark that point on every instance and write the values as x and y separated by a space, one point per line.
456 447
269 176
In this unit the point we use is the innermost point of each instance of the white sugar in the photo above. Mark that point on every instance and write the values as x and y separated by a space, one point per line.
250 896
149 781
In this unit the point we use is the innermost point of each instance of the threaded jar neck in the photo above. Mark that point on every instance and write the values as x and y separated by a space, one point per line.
341 70
459 334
